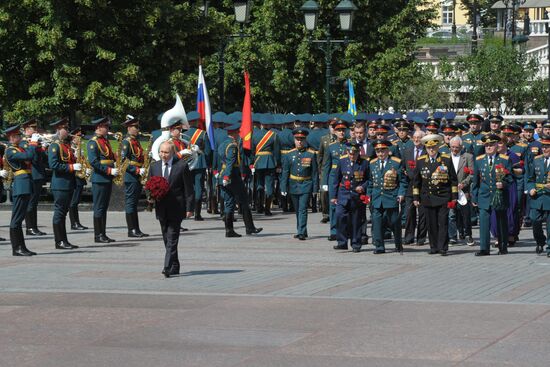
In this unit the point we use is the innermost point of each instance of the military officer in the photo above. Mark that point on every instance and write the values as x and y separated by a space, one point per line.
472 140
349 183
492 174
382 132
404 140
19 160
435 187
198 140
299 179
495 122
3 174
39 164
266 153
220 134
334 151
132 156
232 184
102 159
538 187
176 128
63 163
80 182
286 144
322 156
387 186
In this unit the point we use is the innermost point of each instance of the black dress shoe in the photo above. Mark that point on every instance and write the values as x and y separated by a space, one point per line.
2 239
296 235
433 252
166 273
199 218
379 251
503 252
340 247
232 234
34 232
101 239
332 237
539 249
356 250
324 220
78 227
483 253
443 253
62 245
302 237
364 240
183 229
254 230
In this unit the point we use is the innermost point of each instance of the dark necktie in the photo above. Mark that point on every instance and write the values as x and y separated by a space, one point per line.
417 153
546 161
362 153
491 162
166 173
381 166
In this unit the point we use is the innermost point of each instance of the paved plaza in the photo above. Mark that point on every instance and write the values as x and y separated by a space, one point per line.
267 300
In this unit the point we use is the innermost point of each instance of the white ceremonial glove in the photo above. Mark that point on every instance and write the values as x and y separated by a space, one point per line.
3 173
114 171
253 170
35 138
77 166
225 183
195 148
88 171
216 175
283 193
186 152
141 171
324 188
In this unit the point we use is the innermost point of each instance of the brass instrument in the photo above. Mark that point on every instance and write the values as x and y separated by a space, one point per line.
6 166
147 160
86 169
121 166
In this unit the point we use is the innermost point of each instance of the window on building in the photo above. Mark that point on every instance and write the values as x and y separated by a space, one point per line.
446 14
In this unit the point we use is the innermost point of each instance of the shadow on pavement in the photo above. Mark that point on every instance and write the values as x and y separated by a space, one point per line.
208 272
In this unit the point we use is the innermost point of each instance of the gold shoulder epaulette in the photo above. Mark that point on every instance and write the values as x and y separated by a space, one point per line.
539 156
292 150
309 150
396 159
523 145
503 156
344 156
394 142
374 160
480 157
423 156
94 138
445 155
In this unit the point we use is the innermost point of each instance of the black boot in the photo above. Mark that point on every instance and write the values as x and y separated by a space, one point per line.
64 233
136 225
75 220
260 198
229 231
30 225
248 222
130 225
60 243
198 208
104 227
99 236
15 244
267 209
2 239
35 223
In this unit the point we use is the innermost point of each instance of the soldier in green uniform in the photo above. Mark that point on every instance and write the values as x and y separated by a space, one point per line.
233 188
387 186
63 163
299 179
133 157
19 160
74 217
472 140
538 187
266 154
3 175
334 151
220 135
286 144
198 140
492 174
39 164
322 156
102 159
404 140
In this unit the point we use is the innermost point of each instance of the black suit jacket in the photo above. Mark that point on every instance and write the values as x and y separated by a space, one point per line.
426 190
181 195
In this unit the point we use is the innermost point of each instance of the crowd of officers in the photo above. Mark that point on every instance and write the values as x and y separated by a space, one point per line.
430 175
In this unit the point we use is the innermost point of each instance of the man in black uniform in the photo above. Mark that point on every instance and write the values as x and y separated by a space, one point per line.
435 187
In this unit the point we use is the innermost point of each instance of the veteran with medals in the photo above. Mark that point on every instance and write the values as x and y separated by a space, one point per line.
435 187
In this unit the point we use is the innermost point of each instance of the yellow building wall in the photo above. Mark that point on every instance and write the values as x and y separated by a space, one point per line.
461 17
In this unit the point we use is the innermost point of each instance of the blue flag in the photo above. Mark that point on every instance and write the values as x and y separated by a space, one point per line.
352 108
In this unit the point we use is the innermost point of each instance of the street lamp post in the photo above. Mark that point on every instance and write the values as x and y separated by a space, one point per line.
474 31
328 46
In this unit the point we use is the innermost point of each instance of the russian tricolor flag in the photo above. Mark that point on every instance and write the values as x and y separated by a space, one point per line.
203 108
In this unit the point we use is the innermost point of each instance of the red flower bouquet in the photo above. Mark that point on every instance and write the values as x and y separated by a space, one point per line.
499 201
468 170
412 164
451 204
156 188
365 199
347 184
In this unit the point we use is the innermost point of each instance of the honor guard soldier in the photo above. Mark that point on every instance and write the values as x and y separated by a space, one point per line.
299 179
286 144
80 182
102 159
198 140
387 186
3 173
19 160
492 174
220 134
322 156
39 163
435 187
349 184
232 184
538 187
266 151
176 128
335 150
63 164
133 158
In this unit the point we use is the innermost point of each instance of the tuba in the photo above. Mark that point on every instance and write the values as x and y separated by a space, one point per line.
86 170
6 166
174 114
119 179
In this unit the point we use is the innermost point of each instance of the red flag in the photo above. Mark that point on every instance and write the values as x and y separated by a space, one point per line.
246 126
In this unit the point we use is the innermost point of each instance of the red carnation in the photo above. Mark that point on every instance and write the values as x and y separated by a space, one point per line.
347 185
468 170
451 204
157 187
521 164
365 199
500 167
412 164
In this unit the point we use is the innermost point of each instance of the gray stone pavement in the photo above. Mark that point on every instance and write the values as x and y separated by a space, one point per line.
267 300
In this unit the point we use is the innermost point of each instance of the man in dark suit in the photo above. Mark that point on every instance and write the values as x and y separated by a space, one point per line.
412 223
178 203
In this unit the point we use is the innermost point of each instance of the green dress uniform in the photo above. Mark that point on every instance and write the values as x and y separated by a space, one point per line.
102 159
61 159
538 176
232 185
484 190
322 156
386 182
299 179
334 152
286 144
80 183
133 155
198 168
266 155
20 162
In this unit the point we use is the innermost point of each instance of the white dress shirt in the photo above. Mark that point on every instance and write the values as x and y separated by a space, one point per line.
456 159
